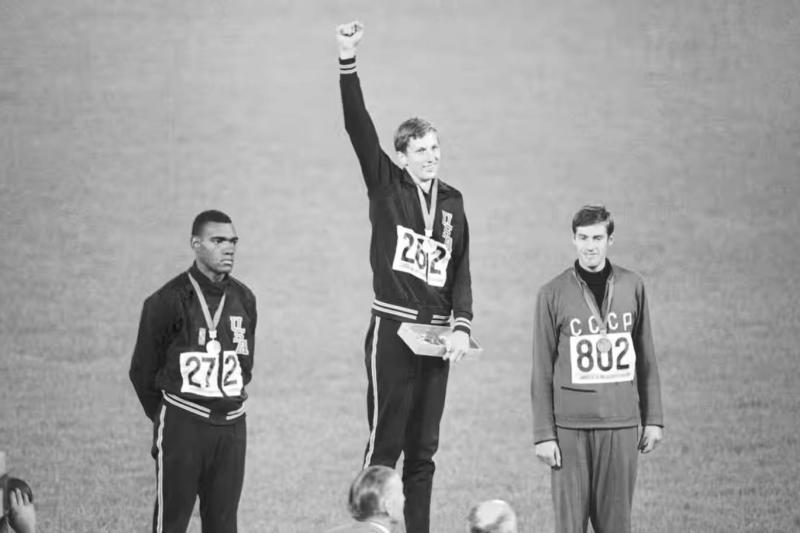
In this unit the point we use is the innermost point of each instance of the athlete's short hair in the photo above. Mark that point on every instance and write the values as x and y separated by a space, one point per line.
368 492
413 128
492 516
212 215
589 215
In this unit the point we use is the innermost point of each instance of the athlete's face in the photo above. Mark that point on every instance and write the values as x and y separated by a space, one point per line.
214 249
421 157
395 500
591 243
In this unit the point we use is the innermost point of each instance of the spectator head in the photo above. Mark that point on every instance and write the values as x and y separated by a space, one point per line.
377 491
492 516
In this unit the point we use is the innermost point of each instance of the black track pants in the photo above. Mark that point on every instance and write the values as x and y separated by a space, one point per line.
405 401
195 458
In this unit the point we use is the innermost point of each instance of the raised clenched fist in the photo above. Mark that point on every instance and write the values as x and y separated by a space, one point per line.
348 36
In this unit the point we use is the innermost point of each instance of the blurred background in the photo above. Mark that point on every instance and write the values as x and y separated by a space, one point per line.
120 121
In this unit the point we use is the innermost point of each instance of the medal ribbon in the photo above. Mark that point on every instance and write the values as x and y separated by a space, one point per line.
589 298
212 324
429 214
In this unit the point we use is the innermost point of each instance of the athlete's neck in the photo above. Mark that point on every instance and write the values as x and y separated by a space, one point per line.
596 280
210 274
594 270
425 185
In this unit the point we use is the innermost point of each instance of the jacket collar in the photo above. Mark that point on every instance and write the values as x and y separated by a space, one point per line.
208 286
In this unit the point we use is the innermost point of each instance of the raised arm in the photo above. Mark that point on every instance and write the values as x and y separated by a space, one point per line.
376 166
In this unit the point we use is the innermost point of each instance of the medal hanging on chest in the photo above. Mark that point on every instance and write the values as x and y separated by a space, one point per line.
429 245
603 343
213 346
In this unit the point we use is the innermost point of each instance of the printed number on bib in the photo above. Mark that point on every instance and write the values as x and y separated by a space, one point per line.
410 257
201 374
590 366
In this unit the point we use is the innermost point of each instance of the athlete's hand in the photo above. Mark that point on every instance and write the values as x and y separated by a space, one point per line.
457 344
651 436
549 453
21 516
348 36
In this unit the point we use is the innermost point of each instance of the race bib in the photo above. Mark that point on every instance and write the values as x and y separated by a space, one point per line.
411 257
201 374
590 366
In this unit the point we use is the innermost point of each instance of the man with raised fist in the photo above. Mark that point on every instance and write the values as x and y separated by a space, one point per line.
419 254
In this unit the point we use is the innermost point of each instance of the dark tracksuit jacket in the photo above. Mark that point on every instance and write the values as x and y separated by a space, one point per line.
401 290
172 325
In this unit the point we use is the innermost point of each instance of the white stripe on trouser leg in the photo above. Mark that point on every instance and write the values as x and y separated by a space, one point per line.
374 377
160 476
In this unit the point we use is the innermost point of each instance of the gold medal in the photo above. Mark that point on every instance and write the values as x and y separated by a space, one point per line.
213 347
429 246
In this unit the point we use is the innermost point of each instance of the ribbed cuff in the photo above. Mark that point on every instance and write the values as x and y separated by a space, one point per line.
347 66
462 323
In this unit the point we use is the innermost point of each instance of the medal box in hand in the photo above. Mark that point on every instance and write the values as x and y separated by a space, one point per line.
425 339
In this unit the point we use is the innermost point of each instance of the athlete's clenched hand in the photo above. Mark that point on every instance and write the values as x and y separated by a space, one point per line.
348 36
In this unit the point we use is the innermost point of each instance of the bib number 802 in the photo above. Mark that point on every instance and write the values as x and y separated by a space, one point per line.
590 365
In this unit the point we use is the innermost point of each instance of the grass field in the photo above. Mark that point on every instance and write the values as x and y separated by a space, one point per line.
119 121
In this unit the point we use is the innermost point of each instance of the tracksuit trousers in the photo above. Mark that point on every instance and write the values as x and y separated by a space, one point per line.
596 479
405 402
195 458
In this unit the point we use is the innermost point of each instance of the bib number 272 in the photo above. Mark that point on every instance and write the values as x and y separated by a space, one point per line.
201 374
